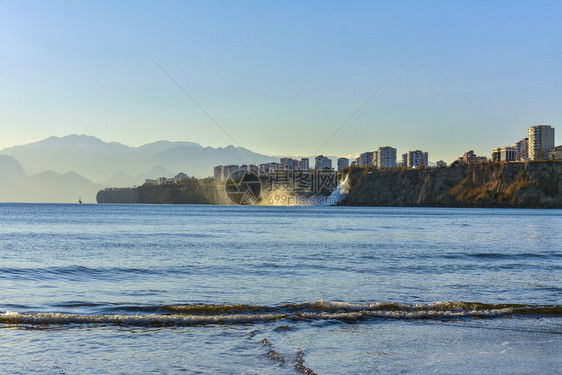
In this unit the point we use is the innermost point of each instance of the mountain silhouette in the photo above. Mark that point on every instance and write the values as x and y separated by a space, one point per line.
100 161
61 169
51 186
48 186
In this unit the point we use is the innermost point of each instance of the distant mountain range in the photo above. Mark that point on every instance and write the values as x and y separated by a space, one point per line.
48 186
64 169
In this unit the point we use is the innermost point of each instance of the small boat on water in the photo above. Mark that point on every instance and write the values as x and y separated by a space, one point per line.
80 200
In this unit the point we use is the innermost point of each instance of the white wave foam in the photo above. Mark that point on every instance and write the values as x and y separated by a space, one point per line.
341 311
153 319
201 314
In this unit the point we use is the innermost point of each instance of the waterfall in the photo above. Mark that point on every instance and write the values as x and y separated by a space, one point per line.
339 193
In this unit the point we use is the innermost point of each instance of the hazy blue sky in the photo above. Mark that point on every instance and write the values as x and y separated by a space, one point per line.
282 76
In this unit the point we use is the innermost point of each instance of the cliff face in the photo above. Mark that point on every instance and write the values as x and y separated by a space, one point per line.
190 191
524 185
529 185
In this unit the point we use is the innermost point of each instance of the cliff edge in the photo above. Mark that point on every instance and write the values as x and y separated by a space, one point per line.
516 185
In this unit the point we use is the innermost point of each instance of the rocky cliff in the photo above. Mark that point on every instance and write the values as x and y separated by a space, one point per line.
524 185
188 191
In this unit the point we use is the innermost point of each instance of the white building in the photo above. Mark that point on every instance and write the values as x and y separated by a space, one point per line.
367 159
323 162
541 141
343 163
416 158
386 157
292 164
504 154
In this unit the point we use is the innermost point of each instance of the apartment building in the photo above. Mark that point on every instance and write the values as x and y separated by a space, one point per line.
386 157
541 141
343 163
323 162
414 159
367 159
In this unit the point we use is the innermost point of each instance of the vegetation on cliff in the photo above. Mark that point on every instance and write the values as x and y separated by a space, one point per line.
525 184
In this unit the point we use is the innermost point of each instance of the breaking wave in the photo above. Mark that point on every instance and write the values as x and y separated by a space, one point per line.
209 314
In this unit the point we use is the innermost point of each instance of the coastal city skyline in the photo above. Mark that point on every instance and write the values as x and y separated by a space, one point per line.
281 82
354 158
538 145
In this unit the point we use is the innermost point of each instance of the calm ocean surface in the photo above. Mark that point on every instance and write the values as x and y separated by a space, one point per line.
279 290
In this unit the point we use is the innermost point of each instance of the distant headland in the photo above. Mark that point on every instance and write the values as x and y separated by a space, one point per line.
535 184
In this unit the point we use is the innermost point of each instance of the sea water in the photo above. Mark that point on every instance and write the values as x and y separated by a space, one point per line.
279 290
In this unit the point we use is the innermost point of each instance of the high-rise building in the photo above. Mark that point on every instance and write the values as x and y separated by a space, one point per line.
366 159
386 157
323 162
343 163
541 141
292 164
415 159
